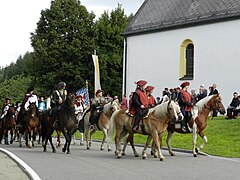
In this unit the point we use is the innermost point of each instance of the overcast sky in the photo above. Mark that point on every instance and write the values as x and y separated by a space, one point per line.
19 17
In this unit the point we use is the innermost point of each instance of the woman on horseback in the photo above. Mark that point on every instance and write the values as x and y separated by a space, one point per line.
5 108
139 103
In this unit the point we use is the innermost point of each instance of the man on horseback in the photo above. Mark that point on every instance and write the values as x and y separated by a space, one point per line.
5 108
185 104
58 98
139 103
28 98
97 106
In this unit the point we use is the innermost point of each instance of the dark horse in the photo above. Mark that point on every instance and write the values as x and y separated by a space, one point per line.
8 124
29 125
47 130
67 121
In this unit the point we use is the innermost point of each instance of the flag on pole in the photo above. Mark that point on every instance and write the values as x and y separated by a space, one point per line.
97 84
84 93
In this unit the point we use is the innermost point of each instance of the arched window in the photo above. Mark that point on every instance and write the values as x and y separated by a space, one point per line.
186 60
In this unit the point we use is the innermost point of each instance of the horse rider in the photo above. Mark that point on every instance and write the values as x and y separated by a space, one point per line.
58 98
29 97
185 105
97 106
139 103
151 100
5 108
79 105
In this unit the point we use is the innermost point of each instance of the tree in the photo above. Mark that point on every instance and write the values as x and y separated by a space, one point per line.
63 43
110 41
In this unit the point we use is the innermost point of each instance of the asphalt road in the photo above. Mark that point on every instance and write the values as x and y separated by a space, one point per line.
95 164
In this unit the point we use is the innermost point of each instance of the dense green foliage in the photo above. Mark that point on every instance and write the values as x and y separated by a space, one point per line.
65 38
223 138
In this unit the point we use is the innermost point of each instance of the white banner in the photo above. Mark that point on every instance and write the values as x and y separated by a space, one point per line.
96 73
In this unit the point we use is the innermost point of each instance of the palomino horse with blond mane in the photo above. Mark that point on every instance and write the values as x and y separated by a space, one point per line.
102 124
198 122
155 124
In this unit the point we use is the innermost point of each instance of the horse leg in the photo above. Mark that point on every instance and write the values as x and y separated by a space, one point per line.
144 152
202 135
20 139
118 137
104 140
66 140
91 133
58 138
11 132
168 142
50 140
194 139
130 139
156 139
6 136
81 141
70 133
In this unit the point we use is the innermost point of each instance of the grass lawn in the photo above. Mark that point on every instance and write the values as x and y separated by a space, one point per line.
223 138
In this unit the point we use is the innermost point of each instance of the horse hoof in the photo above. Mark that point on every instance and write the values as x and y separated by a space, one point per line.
136 155
172 154
155 156
161 159
101 149
144 157
64 150
109 150
45 150
196 149
88 147
118 157
194 155
123 154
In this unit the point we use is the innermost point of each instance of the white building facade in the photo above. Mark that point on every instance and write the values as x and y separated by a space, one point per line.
159 57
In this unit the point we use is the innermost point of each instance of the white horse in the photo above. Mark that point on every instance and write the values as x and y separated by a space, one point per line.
102 124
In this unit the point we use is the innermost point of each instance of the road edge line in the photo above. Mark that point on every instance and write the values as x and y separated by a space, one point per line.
25 168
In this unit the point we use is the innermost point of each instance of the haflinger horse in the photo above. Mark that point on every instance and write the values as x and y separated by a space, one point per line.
29 125
102 124
9 124
154 124
68 121
198 122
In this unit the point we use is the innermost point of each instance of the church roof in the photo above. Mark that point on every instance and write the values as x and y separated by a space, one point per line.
157 15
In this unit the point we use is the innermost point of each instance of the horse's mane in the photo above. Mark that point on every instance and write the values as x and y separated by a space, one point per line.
160 110
107 107
200 104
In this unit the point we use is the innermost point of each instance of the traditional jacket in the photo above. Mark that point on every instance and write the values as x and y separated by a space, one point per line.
29 98
79 106
58 97
151 101
186 100
139 98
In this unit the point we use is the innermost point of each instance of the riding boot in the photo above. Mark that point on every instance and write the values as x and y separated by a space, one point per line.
136 123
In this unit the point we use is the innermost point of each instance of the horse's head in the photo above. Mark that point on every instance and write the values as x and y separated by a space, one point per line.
11 110
70 100
115 105
216 103
174 111
32 108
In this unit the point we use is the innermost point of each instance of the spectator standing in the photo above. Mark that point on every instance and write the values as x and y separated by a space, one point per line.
232 110
124 104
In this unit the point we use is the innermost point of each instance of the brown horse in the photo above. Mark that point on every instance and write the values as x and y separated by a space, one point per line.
9 124
198 122
155 124
102 125
29 125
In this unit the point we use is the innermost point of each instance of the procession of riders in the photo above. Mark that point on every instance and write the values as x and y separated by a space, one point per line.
138 105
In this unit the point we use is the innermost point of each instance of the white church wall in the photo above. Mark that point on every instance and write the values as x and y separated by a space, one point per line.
155 57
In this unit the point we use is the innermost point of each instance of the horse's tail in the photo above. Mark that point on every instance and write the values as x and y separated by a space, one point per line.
112 125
